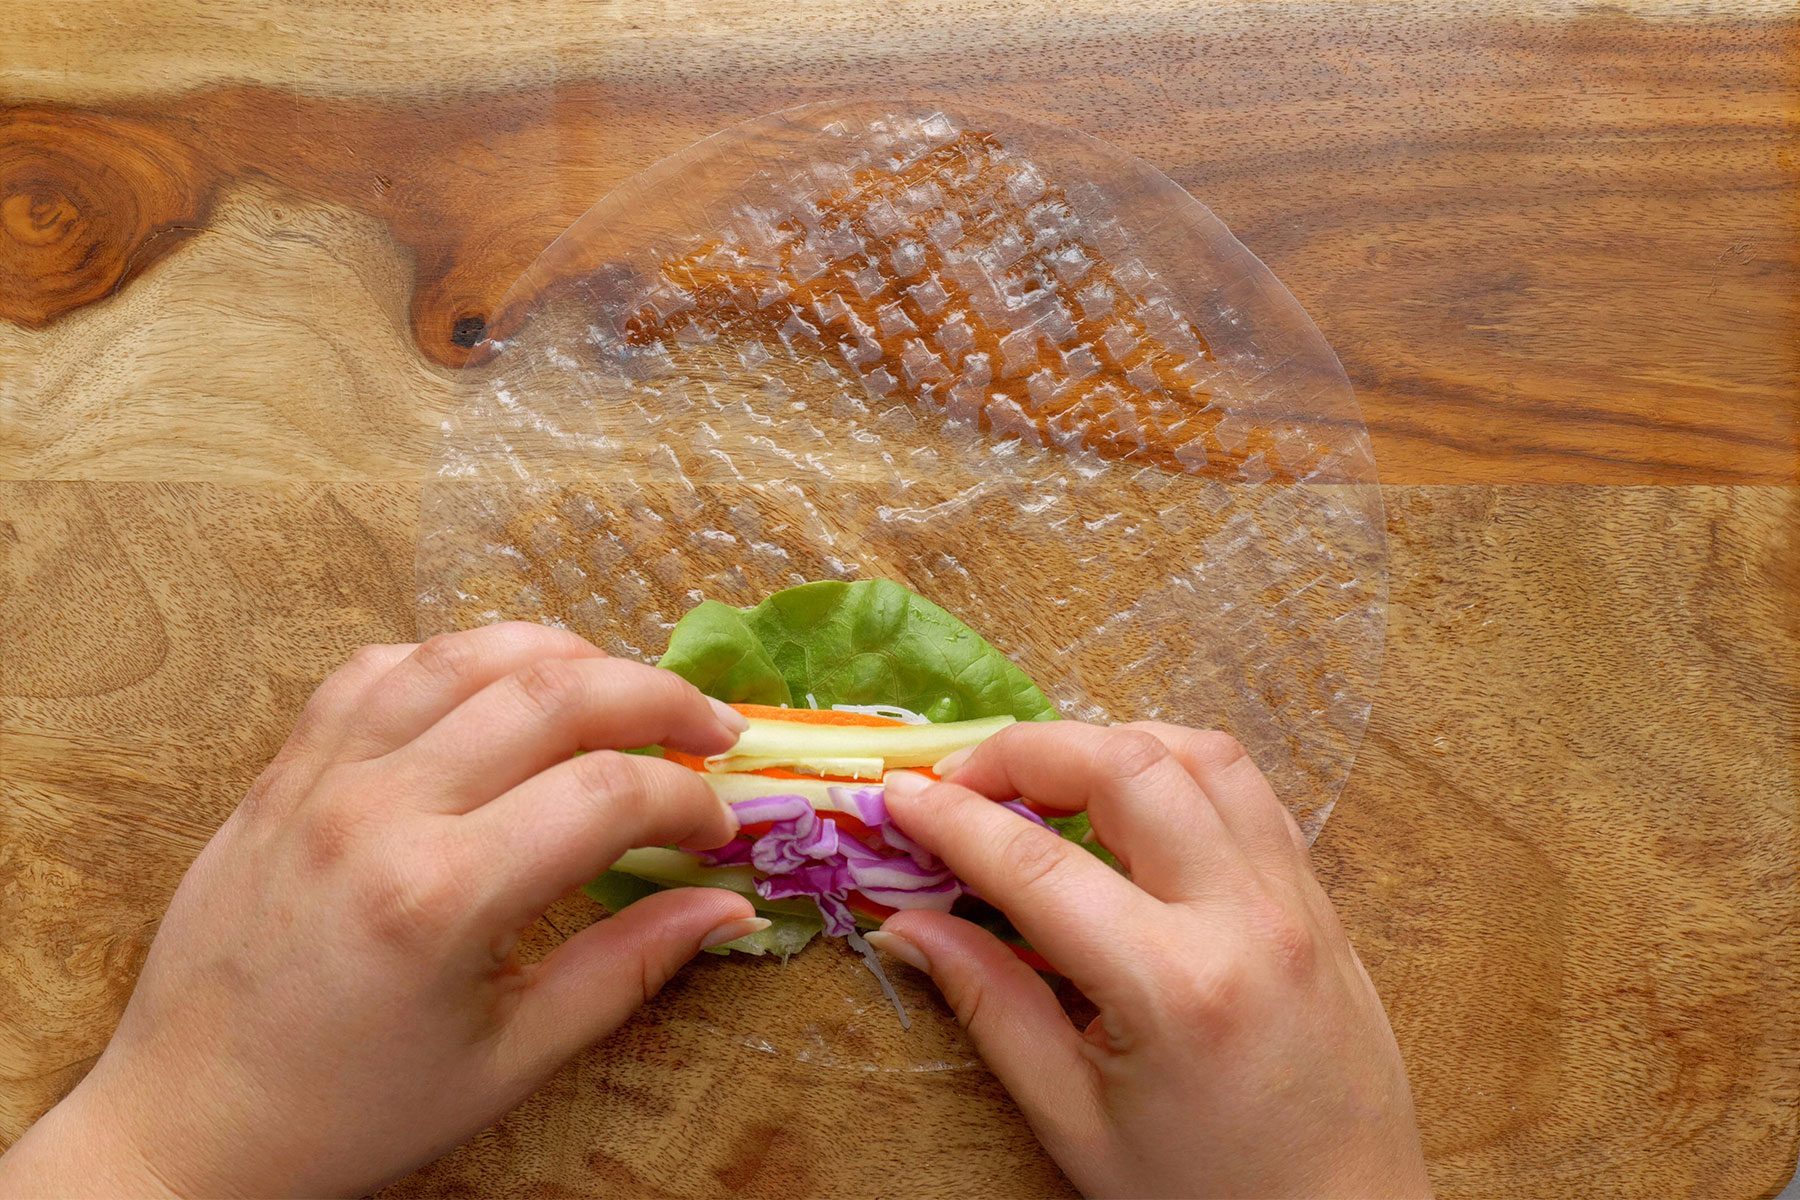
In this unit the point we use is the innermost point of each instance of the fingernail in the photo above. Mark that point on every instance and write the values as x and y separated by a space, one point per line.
904 783
731 931
728 716
696 846
951 762
895 946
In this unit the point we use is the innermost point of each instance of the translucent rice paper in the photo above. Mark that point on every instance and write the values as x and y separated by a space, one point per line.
1004 363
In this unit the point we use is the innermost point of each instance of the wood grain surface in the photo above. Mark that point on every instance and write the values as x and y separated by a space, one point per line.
244 247
1548 247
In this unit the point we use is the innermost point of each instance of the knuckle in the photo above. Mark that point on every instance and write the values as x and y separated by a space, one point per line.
1208 750
327 832
448 657
363 665
333 691
652 687
964 996
368 659
1033 858
549 686
408 899
1128 754
1209 998
1292 946
1013 742
603 772
1008 737
256 808
1216 749
549 638
652 974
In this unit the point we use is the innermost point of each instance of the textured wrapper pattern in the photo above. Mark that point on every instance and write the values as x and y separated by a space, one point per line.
1003 363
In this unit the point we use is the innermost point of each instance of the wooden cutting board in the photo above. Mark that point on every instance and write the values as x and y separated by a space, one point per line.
243 249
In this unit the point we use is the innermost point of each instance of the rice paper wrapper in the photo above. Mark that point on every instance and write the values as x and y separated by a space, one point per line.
1003 363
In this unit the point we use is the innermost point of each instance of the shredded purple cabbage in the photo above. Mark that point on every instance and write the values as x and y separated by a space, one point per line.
868 803
731 854
804 854
771 808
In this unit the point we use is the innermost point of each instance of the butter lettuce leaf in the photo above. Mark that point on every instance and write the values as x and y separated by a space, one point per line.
717 650
869 642
616 890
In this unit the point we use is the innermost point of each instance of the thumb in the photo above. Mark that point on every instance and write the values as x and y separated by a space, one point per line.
589 985
1010 1013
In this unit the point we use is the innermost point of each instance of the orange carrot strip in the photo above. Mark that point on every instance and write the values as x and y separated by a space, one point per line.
812 716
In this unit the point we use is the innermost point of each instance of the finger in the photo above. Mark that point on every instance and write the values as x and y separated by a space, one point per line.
539 716
1270 836
1239 792
562 827
340 701
1011 1014
1144 805
446 670
1083 916
590 984
319 730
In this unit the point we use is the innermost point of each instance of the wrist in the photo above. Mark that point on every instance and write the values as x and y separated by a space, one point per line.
75 1149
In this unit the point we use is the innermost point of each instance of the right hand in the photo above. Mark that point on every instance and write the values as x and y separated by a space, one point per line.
1240 1049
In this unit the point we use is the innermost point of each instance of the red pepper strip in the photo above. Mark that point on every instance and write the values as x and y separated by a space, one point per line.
844 820
1032 958
870 908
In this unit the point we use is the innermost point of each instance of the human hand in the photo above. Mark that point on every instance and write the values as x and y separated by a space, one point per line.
333 998
1240 1048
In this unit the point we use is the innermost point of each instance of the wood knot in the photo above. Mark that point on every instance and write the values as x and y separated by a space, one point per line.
80 196
467 332
37 218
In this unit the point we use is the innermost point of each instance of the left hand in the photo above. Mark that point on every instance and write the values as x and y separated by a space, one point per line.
333 998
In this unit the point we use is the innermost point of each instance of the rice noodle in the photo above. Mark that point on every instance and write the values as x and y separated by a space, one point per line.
892 712
871 960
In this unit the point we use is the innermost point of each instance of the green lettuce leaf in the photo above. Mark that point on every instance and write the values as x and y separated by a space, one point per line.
714 648
615 890
786 934
870 642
